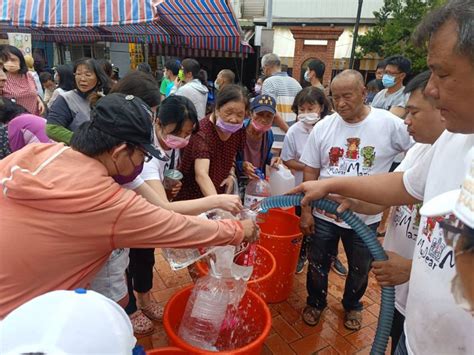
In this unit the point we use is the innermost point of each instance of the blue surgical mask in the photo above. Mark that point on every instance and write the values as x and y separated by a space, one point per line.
388 80
306 76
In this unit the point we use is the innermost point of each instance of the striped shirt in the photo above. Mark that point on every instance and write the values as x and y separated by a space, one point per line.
283 88
22 88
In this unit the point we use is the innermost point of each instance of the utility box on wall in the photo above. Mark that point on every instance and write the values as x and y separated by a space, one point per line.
264 39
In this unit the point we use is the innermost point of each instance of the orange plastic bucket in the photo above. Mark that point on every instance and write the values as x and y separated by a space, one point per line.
257 320
169 350
280 234
263 270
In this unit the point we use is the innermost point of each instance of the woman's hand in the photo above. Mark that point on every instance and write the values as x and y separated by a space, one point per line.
251 231
40 105
249 170
229 203
229 183
171 194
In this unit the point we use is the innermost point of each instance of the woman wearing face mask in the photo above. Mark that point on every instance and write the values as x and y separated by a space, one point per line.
311 105
72 108
259 140
20 84
208 161
258 85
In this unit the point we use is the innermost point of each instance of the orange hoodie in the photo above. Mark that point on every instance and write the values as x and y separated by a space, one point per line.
61 216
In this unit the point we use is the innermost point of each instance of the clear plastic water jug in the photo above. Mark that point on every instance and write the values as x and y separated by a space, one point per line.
281 180
207 312
256 190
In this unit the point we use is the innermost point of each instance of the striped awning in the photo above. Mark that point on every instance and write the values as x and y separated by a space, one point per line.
197 24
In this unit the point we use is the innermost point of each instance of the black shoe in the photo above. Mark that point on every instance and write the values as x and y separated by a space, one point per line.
300 266
338 268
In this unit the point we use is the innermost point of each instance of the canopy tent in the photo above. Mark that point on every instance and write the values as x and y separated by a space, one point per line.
195 24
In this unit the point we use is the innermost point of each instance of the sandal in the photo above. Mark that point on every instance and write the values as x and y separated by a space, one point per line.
353 320
142 326
153 311
312 315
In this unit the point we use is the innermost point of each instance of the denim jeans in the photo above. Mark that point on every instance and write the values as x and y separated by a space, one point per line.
322 250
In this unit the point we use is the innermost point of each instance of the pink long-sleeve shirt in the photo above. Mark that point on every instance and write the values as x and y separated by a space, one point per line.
62 215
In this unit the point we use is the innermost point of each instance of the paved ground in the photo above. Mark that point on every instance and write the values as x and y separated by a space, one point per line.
289 335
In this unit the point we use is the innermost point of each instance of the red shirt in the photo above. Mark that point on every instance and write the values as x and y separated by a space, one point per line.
206 144
22 88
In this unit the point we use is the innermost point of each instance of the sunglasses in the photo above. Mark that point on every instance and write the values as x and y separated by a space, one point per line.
453 229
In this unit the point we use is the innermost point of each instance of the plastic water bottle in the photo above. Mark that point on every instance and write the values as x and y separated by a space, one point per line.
179 258
256 190
207 307
281 180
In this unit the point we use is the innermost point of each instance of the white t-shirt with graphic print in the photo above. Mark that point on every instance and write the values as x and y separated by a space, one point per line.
402 226
434 324
368 147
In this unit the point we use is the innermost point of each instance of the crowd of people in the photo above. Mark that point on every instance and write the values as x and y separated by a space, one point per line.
84 159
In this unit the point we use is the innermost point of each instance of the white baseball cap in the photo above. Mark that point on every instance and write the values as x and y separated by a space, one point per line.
67 322
460 202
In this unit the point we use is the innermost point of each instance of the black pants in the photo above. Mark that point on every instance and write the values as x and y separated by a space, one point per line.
397 329
139 275
322 251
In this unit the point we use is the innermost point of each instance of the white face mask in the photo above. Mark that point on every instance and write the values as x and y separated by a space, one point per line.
309 118
457 290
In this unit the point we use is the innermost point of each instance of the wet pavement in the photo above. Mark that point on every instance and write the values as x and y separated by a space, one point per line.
289 334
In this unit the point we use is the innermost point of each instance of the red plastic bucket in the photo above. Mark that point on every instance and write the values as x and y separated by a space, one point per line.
169 350
281 236
263 270
258 321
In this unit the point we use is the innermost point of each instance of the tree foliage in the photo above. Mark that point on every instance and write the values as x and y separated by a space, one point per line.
396 22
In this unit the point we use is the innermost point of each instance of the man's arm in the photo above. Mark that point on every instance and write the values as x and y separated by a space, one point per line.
383 189
280 122
306 219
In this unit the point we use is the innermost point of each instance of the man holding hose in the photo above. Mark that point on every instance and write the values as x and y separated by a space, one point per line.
434 323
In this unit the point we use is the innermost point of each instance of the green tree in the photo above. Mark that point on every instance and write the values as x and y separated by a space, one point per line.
396 22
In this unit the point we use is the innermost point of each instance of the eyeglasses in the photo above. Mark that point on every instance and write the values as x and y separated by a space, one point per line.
146 156
88 76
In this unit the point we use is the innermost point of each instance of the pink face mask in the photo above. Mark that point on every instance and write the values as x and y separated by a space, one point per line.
261 127
175 142
229 128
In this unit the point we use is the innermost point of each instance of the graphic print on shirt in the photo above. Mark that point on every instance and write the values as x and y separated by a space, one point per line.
407 217
431 246
354 160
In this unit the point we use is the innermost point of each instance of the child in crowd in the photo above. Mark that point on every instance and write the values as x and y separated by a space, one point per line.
311 105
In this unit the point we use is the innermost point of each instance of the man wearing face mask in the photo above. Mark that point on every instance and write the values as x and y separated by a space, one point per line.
314 74
392 97
77 213
259 139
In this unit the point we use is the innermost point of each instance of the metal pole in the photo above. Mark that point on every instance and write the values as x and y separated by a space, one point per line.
269 13
356 33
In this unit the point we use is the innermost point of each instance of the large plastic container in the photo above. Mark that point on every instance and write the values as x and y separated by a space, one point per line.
281 180
263 269
280 234
256 315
